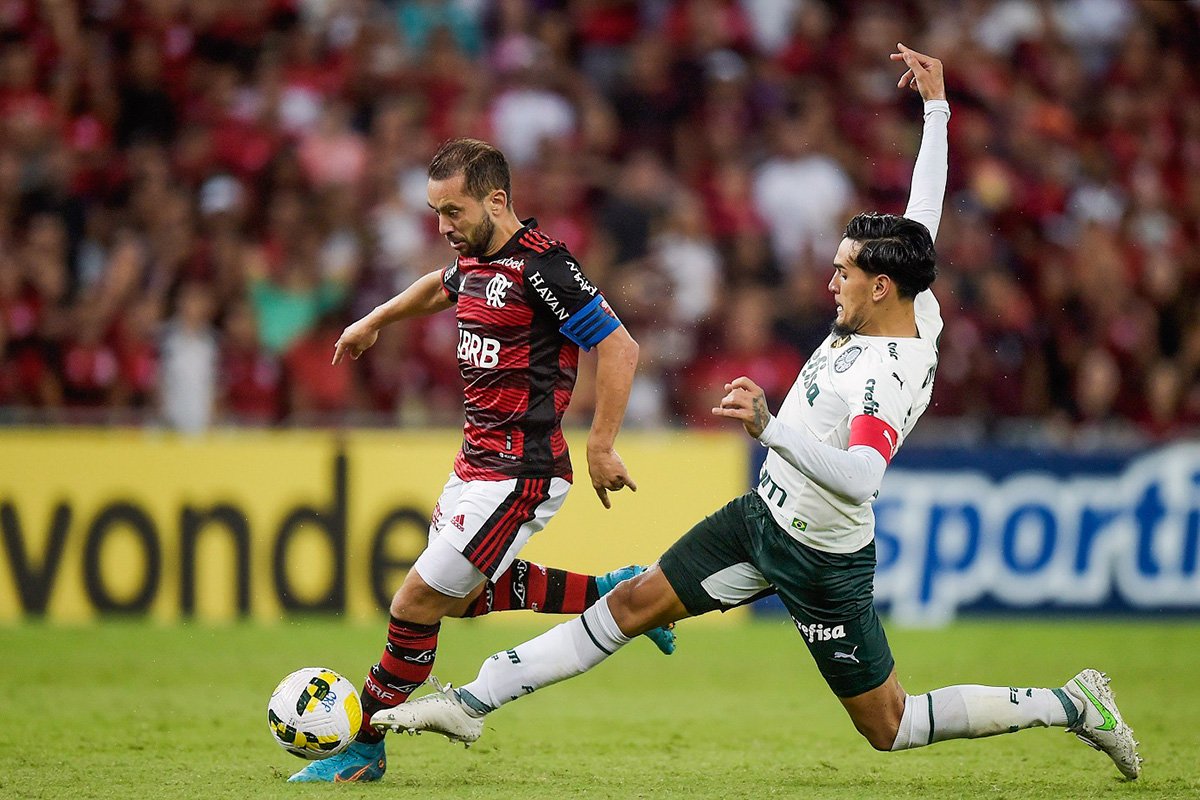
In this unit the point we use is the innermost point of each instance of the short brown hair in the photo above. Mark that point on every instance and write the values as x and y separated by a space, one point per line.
483 167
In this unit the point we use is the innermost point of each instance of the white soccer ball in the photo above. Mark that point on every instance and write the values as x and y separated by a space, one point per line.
314 713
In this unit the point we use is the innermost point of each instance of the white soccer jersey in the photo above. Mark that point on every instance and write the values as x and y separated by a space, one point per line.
884 381
890 378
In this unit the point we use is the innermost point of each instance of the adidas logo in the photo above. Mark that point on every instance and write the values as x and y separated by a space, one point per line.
459 521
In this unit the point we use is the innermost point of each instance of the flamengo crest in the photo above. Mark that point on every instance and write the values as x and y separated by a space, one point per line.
496 289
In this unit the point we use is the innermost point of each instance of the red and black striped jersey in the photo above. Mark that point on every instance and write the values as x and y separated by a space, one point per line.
523 313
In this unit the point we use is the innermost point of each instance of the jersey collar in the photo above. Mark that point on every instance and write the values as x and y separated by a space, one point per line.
513 245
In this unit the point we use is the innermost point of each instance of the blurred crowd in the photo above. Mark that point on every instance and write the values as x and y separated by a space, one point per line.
196 196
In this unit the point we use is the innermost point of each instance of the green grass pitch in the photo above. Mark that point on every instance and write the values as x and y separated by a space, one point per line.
137 710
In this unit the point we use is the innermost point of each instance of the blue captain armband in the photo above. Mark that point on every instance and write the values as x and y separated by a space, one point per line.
588 326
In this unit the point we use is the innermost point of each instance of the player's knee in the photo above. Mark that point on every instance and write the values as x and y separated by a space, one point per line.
881 737
879 723
621 605
641 603
417 601
880 733
629 609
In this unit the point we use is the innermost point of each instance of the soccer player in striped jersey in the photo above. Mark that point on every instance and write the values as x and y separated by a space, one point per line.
524 309
807 531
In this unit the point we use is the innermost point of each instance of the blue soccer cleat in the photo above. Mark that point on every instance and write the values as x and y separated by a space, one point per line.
361 761
663 637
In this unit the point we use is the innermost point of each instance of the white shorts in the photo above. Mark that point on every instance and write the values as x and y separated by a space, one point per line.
478 527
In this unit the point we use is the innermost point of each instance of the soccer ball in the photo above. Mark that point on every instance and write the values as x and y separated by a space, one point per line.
314 713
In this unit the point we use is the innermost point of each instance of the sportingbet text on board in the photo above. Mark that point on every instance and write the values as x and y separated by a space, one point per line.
1126 539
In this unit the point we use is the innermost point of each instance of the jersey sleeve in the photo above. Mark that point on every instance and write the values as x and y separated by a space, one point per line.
878 404
929 173
558 285
452 281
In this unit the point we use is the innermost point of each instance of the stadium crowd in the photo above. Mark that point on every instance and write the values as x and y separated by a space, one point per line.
195 198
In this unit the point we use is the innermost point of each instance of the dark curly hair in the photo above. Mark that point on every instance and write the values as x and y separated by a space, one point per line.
898 247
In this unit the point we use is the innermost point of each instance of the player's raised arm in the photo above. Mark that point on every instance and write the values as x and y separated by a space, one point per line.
426 295
924 75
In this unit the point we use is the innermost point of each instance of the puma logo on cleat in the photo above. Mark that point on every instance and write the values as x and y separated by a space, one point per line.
838 654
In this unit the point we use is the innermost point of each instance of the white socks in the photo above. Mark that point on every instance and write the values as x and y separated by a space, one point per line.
969 712
562 652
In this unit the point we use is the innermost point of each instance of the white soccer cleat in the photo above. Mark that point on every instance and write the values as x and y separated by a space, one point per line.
1100 724
439 712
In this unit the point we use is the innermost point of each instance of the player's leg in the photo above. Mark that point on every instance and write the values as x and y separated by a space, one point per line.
534 587
547 590
477 528
644 602
513 583
830 598
443 582
891 719
632 608
416 611
1085 707
405 664
704 571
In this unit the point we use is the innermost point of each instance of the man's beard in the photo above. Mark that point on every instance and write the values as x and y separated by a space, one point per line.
839 329
481 237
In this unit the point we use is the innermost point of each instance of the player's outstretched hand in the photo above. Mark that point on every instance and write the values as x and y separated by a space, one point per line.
354 340
746 402
608 473
924 73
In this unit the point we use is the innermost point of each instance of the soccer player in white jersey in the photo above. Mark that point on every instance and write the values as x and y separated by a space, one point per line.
807 531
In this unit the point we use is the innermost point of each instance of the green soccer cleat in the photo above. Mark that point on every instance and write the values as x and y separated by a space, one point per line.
663 637
1100 724
361 761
